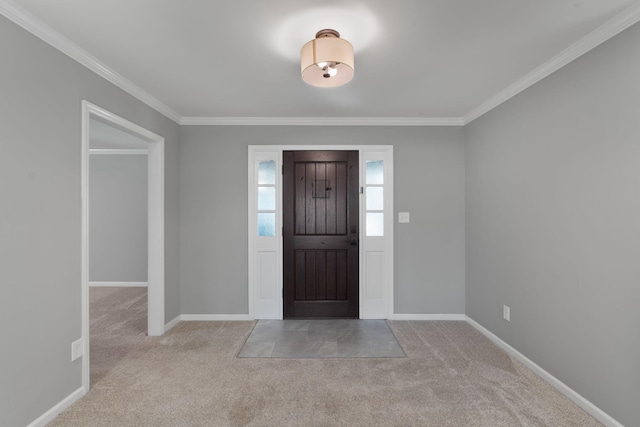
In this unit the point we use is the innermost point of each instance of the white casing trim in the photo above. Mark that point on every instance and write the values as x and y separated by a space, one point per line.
589 407
609 29
401 316
35 26
322 121
373 307
155 269
171 324
52 413
119 151
119 284
213 317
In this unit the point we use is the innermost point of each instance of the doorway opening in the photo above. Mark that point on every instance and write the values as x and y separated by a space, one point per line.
138 283
118 260
373 235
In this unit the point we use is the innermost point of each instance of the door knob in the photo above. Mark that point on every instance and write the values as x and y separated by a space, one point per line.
353 241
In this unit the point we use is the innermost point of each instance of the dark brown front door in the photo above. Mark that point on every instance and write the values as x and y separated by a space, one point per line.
320 190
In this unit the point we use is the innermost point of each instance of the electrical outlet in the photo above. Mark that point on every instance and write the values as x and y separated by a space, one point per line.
77 349
506 313
404 217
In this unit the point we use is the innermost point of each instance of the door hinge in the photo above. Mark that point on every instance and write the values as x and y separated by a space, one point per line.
361 190
282 171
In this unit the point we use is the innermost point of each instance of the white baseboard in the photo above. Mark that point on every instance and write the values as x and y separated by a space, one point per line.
48 416
213 317
589 407
120 284
397 316
171 324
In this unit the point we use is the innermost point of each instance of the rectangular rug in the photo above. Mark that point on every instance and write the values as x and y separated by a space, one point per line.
318 339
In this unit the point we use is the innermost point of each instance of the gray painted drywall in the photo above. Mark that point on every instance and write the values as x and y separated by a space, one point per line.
40 217
118 221
429 183
104 136
553 224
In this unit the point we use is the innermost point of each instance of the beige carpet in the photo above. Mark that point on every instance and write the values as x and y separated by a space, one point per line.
117 323
452 376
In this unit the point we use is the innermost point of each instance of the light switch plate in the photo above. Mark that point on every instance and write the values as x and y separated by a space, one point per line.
506 313
404 217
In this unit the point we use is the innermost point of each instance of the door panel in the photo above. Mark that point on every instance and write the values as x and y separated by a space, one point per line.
320 190
321 275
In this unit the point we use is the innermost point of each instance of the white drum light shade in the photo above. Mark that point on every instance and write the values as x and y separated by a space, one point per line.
327 60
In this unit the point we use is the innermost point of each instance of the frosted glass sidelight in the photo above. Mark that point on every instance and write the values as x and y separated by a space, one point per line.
375 224
374 198
267 224
266 198
374 172
267 172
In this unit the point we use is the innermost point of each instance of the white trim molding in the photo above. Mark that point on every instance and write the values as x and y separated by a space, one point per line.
119 284
609 29
155 243
579 400
418 316
119 151
322 121
265 254
213 317
14 12
171 324
52 413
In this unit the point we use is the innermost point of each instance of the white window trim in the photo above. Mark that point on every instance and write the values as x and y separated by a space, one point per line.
260 308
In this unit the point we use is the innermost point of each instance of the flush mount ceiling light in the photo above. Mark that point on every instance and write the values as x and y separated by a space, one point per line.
327 60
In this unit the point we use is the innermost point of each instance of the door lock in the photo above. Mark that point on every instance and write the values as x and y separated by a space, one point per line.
353 241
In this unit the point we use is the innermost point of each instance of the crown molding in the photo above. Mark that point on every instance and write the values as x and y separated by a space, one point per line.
24 19
321 121
609 29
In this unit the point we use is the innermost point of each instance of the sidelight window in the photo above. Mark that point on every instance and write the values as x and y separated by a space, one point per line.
267 198
374 197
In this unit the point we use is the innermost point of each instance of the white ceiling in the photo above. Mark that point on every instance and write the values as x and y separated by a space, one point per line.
415 59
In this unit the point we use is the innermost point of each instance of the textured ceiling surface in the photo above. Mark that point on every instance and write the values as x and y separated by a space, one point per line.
414 59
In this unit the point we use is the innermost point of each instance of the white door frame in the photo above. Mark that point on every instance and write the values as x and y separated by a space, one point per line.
155 318
265 253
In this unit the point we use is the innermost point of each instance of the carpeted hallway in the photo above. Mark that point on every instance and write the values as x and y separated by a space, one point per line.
452 376
118 323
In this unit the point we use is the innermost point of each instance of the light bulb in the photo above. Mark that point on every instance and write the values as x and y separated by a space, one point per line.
329 68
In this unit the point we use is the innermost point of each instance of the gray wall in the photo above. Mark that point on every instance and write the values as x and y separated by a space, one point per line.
429 183
118 220
40 111
552 219
553 224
